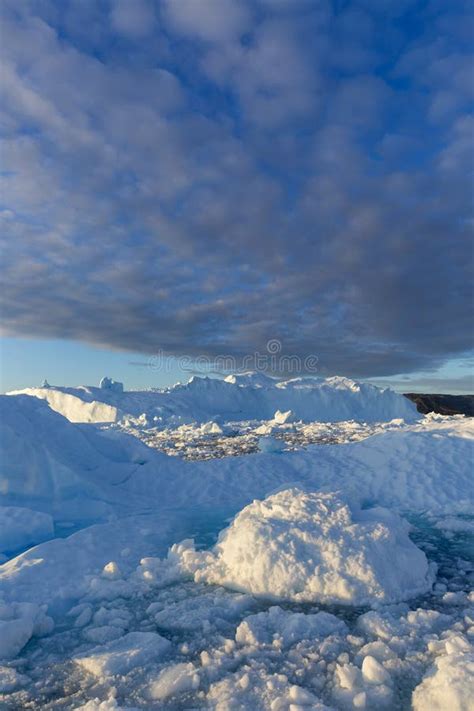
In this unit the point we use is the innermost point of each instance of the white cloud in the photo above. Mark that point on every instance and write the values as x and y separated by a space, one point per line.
132 18
210 20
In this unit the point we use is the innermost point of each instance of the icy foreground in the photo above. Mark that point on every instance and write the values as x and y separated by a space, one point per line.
316 595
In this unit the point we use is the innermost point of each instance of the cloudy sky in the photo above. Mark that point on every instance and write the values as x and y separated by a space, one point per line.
200 176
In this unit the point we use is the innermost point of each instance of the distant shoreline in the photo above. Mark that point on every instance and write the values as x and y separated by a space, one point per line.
443 404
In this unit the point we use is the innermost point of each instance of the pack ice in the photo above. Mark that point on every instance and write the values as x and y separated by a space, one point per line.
332 576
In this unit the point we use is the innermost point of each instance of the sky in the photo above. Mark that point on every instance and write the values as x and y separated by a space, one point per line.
199 178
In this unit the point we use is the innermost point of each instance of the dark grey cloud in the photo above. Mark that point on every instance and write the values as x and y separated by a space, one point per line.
185 179
455 385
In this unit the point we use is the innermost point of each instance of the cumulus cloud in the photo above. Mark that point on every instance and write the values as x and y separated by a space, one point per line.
132 18
199 181
209 20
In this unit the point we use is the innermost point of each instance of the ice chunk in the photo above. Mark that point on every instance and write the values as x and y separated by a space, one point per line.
256 688
175 679
348 676
449 684
389 624
111 571
120 656
281 418
378 650
110 384
14 634
102 634
19 622
83 617
301 546
286 626
270 445
10 679
373 672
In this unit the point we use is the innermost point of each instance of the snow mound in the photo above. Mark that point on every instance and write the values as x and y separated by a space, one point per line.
204 610
247 396
449 684
20 528
210 428
312 547
51 465
109 704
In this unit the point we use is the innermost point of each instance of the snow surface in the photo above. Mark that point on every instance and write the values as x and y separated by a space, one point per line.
21 528
121 609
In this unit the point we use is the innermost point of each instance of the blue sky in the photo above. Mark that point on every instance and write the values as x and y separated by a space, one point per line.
26 363
197 177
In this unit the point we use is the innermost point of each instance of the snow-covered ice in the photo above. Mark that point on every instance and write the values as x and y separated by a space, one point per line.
306 546
244 396
334 573
21 528
122 655
284 628
173 680
270 445
111 384
19 621
448 684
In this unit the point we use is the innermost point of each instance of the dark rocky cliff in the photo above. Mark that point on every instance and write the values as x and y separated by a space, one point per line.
443 404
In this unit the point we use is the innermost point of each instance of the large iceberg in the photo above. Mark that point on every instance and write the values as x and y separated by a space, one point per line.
240 397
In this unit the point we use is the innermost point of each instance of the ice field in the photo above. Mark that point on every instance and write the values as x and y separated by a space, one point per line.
241 544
